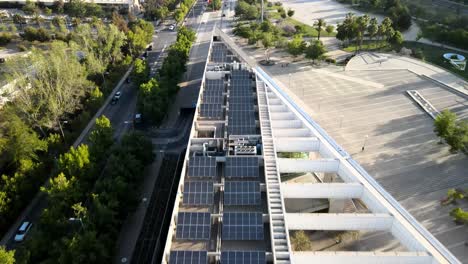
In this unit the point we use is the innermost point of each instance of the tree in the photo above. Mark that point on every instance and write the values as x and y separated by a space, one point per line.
396 39
458 139
386 28
216 4
139 35
161 13
329 29
140 146
58 6
362 24
60 89
76 162
267 42
19 19
119 22
459 215
30 8
140 71
61 191
347 30
445 124
7 256
400 16
315 51
300 241
246 11
101 138
296 46
373 28
18 141
319 25
290 12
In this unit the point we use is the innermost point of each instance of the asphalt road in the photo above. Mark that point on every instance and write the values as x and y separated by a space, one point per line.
121 116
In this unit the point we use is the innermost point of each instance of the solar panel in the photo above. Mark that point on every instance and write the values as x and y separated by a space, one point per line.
193 226
201 166
241 167
241 193
207 99
198 193
214 111
250 257
188 257
247 106
242 123
242 226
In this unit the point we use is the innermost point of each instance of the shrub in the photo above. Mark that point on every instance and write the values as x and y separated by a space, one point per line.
418 54
330 60
270 4
5 38
278 4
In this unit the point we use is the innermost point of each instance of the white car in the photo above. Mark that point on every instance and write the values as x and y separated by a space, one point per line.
118 95
171 27
22 231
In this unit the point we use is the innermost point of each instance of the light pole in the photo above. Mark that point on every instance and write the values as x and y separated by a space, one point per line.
60 126
365 141
73 219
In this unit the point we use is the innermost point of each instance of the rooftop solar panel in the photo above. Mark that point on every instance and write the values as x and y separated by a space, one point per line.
198 193
188 257
201 166
207 99
242 226
193 226
214 111
241 167
245 257
242 107
241 193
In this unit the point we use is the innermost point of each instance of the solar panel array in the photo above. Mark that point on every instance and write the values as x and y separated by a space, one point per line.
212 111
241 167
212 99
198 193
242 193
193 226
242 226
219 54
188 257
244 257
241 119
201 166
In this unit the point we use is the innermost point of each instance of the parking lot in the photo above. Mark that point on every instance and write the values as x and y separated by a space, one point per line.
370 108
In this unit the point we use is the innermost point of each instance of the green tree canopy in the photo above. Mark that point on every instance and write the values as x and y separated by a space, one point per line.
296 46
7 256
101 138
315 50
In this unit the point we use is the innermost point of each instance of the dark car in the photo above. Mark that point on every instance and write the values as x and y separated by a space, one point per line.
150 48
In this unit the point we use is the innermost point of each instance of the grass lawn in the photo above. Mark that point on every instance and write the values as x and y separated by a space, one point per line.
434 54
371 46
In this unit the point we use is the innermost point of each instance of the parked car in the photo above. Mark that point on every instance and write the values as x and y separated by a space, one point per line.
118 95
22 231
172 27
150 48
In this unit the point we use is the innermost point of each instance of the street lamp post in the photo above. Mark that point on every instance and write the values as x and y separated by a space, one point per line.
73 219
365 141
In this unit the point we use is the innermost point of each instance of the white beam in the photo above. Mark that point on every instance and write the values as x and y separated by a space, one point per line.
311 221
360 257
282 116
321 190
304 165
308 144
294 132
292 123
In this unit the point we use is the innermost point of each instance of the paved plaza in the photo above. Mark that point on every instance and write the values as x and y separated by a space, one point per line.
401 149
